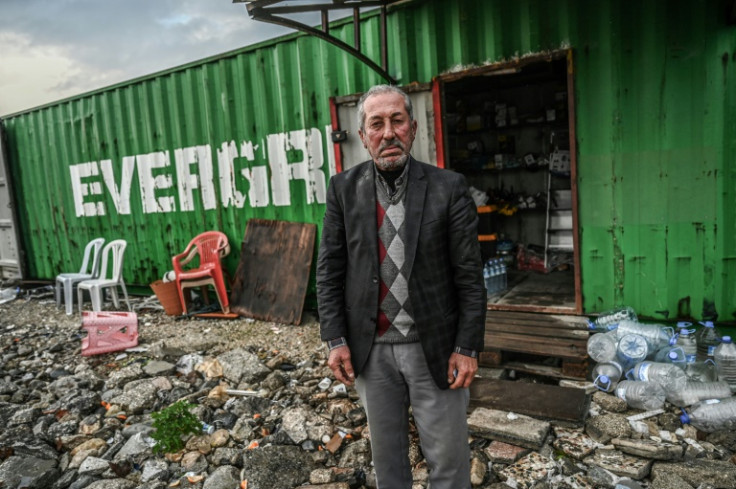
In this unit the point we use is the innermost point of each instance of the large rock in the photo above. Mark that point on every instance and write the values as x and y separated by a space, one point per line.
516 429
620 464
356 454
135 448
606 427
610 403
715 473
187 342
240 365
303 424
666 480
574 443
276 467
140 395
28 472
528 470
124 375
499 452
112 484
224 477
649 449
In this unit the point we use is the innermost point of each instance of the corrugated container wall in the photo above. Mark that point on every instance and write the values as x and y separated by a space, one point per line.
243 135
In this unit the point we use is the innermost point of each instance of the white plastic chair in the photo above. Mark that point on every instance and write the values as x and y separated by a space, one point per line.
67 281
95 287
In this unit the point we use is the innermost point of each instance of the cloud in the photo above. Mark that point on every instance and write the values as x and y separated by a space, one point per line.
54 49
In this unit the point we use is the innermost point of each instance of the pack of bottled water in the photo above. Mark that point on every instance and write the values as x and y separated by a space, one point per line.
494 275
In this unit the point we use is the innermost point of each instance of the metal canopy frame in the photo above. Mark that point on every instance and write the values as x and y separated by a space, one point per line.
270 11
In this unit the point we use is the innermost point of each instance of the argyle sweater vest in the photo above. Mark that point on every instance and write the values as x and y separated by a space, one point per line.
395 322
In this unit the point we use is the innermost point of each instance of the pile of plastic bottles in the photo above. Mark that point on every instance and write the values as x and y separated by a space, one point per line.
648 364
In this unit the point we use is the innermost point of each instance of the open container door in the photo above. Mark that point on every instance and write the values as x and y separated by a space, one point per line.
10 268
348 147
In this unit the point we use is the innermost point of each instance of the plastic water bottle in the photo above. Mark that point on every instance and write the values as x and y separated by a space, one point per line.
646 396
725 357
608 320
693 392
702 371
631 349
712 415
496 275
670 377
656 335
602 346
686 340
707 339
504 277
8 294
671 354
606 376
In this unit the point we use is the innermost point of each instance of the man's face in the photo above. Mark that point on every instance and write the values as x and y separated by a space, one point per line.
388 133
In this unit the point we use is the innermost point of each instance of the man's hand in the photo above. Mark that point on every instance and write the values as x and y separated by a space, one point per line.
341 366
461 371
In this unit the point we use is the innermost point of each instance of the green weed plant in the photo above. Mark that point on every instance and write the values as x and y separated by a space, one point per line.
173 424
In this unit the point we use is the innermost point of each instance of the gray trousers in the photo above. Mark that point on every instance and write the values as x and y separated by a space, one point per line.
394 378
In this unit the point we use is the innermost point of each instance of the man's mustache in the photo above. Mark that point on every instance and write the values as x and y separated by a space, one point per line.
393 142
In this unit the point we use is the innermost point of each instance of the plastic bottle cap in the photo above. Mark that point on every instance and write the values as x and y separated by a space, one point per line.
726 339
672 355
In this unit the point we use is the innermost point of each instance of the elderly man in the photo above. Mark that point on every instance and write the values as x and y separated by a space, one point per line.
401 296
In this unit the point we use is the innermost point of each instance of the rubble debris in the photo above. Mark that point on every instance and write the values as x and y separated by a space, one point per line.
270 420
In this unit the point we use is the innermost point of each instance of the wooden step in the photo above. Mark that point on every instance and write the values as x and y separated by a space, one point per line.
546 344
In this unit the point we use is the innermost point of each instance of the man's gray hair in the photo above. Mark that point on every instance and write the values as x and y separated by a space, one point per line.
380 89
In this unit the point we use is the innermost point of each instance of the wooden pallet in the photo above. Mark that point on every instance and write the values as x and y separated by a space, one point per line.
543 344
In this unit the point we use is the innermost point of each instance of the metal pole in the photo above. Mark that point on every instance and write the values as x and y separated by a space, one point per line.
356 28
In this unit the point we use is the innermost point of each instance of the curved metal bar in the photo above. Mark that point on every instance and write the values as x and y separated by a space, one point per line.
261 15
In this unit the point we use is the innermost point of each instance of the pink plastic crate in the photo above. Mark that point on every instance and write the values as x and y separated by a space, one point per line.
108 331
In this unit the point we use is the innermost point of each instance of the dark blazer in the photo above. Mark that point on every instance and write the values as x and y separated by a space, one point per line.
446 286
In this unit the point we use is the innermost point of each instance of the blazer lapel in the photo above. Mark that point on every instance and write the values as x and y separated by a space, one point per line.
414 209
365 215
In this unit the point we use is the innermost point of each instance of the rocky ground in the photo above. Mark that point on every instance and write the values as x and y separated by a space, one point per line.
73 421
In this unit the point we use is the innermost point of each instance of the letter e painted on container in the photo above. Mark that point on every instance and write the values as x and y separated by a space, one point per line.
82 187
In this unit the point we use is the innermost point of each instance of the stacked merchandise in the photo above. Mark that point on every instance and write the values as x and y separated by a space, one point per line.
648 364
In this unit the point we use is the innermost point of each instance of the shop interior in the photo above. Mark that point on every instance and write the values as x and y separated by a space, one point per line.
508 131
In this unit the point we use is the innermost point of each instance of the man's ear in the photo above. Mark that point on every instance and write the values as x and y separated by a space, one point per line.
360 134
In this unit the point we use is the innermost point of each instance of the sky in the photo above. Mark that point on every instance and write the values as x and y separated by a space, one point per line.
53 49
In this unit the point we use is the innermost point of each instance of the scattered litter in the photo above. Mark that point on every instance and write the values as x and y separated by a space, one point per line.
211 368
233 392
512 416
193 478
186 363
325 384
645 415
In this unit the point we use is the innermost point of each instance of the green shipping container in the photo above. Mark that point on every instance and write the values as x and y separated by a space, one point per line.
246 135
